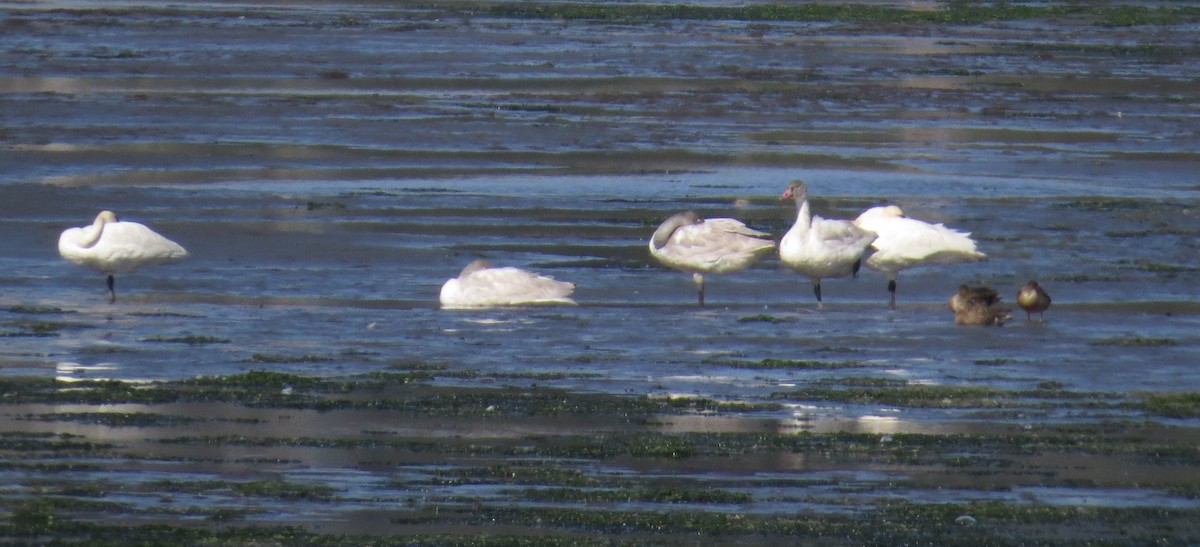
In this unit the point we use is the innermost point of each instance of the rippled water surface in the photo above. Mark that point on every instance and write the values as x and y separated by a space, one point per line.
329 166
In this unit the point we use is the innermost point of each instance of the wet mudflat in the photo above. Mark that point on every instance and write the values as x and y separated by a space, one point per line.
328 166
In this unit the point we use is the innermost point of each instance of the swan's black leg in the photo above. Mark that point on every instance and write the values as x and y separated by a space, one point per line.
892 291
817 291
112 292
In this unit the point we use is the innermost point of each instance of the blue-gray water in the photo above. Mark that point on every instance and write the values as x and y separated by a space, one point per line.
330 166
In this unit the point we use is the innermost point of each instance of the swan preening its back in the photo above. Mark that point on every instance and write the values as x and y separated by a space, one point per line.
906 242
111 246
819 247
688 243
479 285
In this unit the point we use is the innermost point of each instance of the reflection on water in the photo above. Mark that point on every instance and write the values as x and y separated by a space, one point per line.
74 372
814 419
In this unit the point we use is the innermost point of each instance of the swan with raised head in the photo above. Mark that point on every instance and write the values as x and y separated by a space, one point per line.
698 246
907 242
819 247
479 285
111 246
1033 299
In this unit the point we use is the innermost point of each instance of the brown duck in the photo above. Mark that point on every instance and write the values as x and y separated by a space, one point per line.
1033 299
978 306
966 295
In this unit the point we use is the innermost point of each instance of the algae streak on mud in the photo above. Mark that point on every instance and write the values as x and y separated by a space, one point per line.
395 454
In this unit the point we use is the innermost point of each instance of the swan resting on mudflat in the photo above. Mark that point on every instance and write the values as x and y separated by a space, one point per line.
819 247
479 285
907 242
111 246
698 246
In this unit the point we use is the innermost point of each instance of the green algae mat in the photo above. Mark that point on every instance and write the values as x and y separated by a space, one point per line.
266 458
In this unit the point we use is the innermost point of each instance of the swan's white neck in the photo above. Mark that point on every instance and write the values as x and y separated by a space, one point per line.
92 234
803 215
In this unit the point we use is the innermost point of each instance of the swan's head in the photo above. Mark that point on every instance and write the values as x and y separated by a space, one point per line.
796 190
886 211
475 266
105 217
678 220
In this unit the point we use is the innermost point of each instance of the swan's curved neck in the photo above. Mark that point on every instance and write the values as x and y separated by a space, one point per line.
93 233
663 234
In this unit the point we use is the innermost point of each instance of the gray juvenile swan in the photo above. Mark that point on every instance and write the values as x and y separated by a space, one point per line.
690 244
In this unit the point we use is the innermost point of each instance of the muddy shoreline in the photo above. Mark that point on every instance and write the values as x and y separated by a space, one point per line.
395 454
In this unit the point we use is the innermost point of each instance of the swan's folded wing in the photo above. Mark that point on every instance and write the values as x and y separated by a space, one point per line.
910 240
733 226
842 232
146 243
715 246
122 247
506 287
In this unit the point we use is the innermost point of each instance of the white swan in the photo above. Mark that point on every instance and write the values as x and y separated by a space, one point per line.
479 285
110 246
688 243
906 242
818 247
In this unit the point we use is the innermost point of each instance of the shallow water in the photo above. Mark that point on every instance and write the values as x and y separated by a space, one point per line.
353 283
328 167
